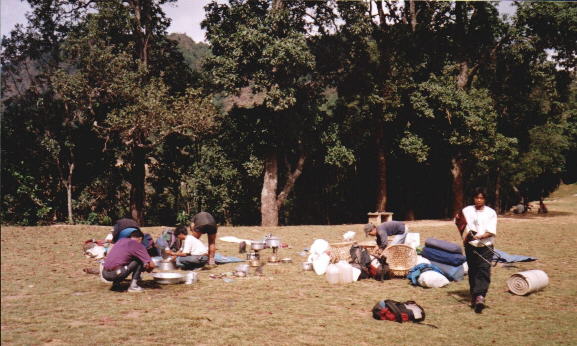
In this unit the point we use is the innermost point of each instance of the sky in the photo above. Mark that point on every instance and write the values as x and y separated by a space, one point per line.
186 16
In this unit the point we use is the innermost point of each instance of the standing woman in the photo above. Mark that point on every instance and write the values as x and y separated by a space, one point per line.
480 228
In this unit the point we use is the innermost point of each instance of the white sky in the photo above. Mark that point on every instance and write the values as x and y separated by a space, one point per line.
186 15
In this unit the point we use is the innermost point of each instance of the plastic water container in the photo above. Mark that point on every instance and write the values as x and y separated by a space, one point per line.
345 272
333 274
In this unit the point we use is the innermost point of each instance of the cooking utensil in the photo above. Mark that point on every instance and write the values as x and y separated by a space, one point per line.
273 242
240 274
168 278
251 256
307 266
255 263
166 265
257 245
190 278
242 268
287 260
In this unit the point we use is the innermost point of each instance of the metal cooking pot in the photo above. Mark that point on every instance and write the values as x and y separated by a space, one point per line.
273 242
165 265
251 256
307 266
257 245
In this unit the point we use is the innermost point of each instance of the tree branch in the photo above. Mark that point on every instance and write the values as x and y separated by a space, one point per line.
293 176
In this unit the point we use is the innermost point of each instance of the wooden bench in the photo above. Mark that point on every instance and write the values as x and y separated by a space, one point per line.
376 218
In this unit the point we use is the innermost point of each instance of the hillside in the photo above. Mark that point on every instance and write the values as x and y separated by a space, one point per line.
194 53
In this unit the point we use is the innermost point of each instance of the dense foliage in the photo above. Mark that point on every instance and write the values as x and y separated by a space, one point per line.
294 112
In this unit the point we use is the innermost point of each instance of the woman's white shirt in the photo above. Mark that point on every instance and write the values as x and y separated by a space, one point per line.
481 221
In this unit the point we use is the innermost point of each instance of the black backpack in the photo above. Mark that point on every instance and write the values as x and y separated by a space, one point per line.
392 310
361 260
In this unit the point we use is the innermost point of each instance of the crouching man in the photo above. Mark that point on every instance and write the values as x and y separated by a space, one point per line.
192 254
128 256
386 229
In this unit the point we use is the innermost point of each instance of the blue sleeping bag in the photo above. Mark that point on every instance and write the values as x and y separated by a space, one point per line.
441 256
444 245
451 272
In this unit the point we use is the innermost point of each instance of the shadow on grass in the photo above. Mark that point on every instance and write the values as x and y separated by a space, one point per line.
532 216
148 284
461 296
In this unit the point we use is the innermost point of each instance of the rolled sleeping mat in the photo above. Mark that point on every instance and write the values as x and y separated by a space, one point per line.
444 245
526 282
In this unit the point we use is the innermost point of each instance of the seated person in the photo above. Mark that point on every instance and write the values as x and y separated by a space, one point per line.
167 241
388 228
128 256
204 223
192 254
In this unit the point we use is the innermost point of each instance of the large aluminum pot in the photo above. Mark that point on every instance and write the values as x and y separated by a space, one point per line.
166 265
257 245
273 242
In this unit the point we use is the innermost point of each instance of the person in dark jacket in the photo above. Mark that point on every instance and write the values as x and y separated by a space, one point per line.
386 229
121 229
128 256
204 223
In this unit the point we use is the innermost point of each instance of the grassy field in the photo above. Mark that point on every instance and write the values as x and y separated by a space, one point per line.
48 299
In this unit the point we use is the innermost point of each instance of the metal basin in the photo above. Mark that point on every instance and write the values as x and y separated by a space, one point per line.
168 278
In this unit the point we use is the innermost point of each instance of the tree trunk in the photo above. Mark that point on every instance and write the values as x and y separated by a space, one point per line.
413 12
69 193
277 5
137 186
463 78
381 204
457 185
268 201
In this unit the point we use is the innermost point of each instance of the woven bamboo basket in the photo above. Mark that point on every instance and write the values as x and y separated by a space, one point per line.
340 251
400 258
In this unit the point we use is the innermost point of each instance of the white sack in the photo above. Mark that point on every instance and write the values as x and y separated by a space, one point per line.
432 279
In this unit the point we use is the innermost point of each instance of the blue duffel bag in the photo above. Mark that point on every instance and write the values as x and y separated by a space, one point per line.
442 256
444 245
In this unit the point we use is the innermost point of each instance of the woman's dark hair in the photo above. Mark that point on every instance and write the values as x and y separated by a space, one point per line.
478 191
180 230
137 234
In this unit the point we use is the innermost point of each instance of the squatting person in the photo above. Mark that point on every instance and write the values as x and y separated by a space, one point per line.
128 256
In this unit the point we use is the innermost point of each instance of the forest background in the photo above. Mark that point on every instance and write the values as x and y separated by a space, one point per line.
294 112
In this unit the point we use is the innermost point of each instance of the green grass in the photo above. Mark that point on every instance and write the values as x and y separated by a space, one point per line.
48 299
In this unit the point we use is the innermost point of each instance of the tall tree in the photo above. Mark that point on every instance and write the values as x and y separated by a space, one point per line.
260 48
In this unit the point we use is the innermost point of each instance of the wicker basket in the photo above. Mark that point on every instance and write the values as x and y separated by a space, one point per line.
340 251
400 258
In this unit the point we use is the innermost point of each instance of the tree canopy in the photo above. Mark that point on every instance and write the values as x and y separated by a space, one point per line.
293 111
